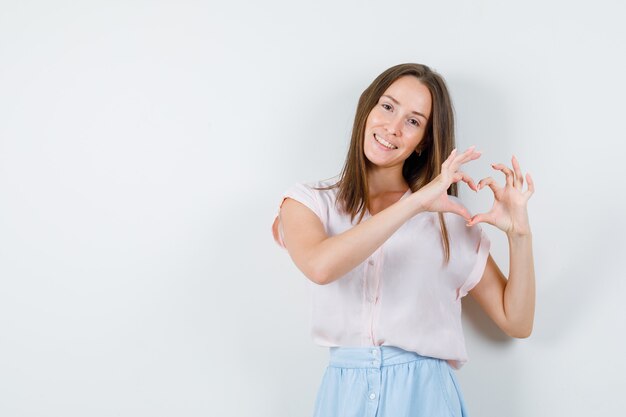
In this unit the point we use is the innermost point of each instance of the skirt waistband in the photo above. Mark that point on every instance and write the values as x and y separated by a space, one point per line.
372 356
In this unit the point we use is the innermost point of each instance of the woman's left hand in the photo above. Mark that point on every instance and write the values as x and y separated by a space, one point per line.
509 212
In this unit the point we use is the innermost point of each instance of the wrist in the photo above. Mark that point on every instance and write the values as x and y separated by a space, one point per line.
417 204
524 235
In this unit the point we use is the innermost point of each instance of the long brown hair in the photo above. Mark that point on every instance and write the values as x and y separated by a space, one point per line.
418 170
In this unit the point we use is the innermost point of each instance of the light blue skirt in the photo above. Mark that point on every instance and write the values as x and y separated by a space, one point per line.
386 381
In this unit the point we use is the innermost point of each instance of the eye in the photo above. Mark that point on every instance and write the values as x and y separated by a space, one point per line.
388 107
414 124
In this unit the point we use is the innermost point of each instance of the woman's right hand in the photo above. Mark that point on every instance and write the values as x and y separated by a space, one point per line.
434 195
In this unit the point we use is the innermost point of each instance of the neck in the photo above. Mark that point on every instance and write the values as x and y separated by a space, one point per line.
384 180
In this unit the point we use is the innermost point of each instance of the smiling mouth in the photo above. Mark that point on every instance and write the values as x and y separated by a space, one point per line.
384 142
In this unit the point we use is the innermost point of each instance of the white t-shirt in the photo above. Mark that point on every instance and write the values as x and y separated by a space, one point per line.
403 295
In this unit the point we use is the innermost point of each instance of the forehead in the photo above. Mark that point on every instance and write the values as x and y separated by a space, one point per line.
411 93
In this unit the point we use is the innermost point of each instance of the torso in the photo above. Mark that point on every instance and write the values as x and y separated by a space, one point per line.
404 294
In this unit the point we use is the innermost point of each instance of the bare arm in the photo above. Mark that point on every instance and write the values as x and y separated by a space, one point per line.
519 295
510 303
324 259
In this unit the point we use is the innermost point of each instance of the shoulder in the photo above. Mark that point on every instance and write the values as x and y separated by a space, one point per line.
323 191
325 183
316 195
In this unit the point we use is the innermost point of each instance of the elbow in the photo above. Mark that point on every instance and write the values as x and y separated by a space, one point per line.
318 276
322 276
321 271
520 333
316 279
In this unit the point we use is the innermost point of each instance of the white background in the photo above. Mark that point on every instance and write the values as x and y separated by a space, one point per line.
144 147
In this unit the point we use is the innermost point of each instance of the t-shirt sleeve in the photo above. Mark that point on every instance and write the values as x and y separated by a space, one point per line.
305 195
479 245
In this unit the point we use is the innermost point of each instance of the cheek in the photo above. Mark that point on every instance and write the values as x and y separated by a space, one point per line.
416 132
374 117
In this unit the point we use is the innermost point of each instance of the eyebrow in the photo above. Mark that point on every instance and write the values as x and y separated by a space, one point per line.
398 103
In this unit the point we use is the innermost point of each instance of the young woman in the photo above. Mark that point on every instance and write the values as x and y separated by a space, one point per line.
390 250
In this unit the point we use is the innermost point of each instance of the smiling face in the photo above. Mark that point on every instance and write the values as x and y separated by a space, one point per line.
398 120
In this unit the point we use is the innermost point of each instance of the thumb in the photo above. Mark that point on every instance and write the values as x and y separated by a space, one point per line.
460 210
478 218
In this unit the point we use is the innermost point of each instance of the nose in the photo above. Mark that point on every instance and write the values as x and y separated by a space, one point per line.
394 125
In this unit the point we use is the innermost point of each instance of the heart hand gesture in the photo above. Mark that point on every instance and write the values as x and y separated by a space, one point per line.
434 196
509 212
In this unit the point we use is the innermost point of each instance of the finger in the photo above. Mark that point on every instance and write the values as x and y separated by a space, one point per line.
479 218
460 175
475 155
460 210
531 186
449 160
464 156
469 150
507 171
469 155
491 183
519 178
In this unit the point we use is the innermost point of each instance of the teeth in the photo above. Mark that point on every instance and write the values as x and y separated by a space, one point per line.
384 142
